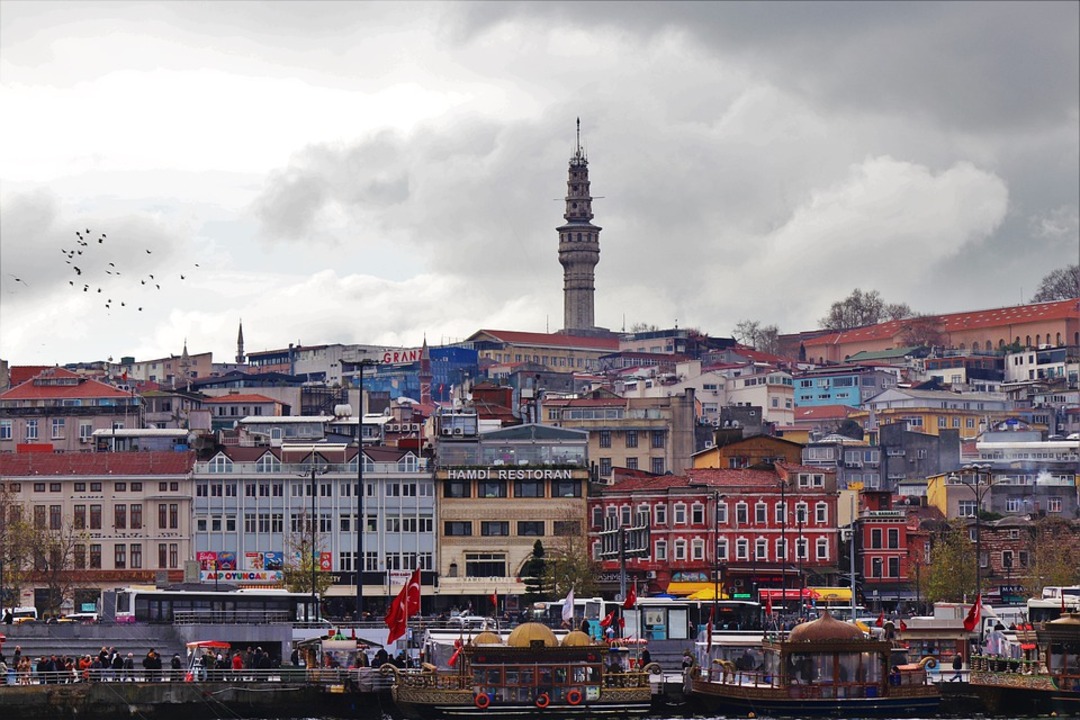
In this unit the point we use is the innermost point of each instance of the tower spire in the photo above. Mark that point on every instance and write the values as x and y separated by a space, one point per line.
240 344
579 246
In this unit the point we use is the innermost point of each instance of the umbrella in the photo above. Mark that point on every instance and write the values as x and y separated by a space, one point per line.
706 594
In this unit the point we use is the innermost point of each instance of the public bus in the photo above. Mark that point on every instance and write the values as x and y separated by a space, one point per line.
169 605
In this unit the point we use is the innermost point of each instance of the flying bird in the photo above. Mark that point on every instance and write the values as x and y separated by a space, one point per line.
182 277
158 287
143 282
147 252
112 264
77 270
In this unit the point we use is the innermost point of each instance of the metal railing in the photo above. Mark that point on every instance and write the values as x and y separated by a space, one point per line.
231 617
363 679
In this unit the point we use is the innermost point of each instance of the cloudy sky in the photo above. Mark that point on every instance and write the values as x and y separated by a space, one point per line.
367 172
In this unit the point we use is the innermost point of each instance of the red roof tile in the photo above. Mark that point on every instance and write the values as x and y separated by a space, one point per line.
41 388
954 322
21 373
16 465
823 412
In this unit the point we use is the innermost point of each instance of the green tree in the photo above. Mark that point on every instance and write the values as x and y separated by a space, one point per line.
1060 284
862 308
1053 555
950 577
569 562
533 573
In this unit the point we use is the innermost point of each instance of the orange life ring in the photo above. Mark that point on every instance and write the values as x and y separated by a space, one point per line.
542 700
482 701
574 697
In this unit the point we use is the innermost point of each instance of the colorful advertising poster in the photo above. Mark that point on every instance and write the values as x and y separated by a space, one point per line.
253 561
226 560
273 560
207 560
325 563
245 576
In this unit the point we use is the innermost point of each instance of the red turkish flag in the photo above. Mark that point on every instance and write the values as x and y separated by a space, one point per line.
631 598
608 620
404 606
972 620
880 619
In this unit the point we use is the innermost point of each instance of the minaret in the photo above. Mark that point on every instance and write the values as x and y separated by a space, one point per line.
579 246
240 345
425 374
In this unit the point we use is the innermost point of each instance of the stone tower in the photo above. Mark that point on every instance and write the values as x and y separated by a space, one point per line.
579 247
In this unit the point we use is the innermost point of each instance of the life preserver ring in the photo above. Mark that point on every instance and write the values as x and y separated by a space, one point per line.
482 701
542 700
574 697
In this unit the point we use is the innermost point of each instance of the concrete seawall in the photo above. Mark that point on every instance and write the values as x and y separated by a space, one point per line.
181 701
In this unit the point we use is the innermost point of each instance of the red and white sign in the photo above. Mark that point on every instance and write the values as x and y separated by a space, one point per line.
402 357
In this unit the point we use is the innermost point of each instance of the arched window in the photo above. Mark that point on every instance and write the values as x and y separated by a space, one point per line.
1057 340
1027 341
1038 340
268 464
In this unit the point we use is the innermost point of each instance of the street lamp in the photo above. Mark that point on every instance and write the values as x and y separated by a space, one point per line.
783 541
976 470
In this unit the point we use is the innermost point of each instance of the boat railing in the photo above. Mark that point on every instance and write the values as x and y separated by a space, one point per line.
998 664
432 678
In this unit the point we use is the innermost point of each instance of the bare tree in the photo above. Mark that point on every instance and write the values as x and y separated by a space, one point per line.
1060 284
1054 554
765 338
922 330
568 562
862 308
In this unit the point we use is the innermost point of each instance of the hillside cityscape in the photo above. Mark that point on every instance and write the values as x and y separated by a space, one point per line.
767 466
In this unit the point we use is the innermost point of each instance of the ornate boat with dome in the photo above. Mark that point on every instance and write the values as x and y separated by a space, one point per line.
1046 682
531 674
823 668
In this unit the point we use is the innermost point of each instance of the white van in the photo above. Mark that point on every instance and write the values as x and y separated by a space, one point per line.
21 614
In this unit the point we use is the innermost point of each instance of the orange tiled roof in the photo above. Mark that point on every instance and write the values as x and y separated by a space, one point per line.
21 373
823 412
23 465
33 389
955 322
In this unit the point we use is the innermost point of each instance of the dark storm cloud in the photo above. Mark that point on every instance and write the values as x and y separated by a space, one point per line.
975 66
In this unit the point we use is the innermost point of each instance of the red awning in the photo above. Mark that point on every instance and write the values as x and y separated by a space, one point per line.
788 594
1027 646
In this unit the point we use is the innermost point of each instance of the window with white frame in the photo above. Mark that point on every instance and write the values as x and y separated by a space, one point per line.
822 549
697 514
967 508
801 512
697 549
781 549
760 516
1053 504
821 513
220 464
661 550
268 464
722 549
721 514
742 549
741 510
680 514
680 550
801 545
761 549
661 514
779 512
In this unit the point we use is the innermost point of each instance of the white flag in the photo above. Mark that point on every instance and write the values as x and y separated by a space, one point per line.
568 606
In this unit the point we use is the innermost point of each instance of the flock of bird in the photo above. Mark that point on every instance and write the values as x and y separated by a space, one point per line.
84 259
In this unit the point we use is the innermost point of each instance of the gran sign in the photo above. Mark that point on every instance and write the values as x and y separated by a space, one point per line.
401 357
500 473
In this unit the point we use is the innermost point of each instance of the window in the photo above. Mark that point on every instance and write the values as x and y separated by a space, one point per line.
875 567
529 488
120 516
722 550
742 549
822 549
78 554
821 513
95 518
58 428
760 516
31 430
680 550
697 549
894 567
174 555
163 517
761 549
894 538
136 517
566 488
741 510
967 508
530 528
120 556
721 513
485 565
220 464
631 463
457 489
54 517
697 514
661 514
79 519
658 439
1053 504
95 557
491 488
657 466
800 548
457 528
80 487
5 429
661 550
631 438
680 514
605 467
875 538
605 438
136 555
95 487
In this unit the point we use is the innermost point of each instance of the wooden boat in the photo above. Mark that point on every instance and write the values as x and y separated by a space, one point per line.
823 668
532 674
1046 682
